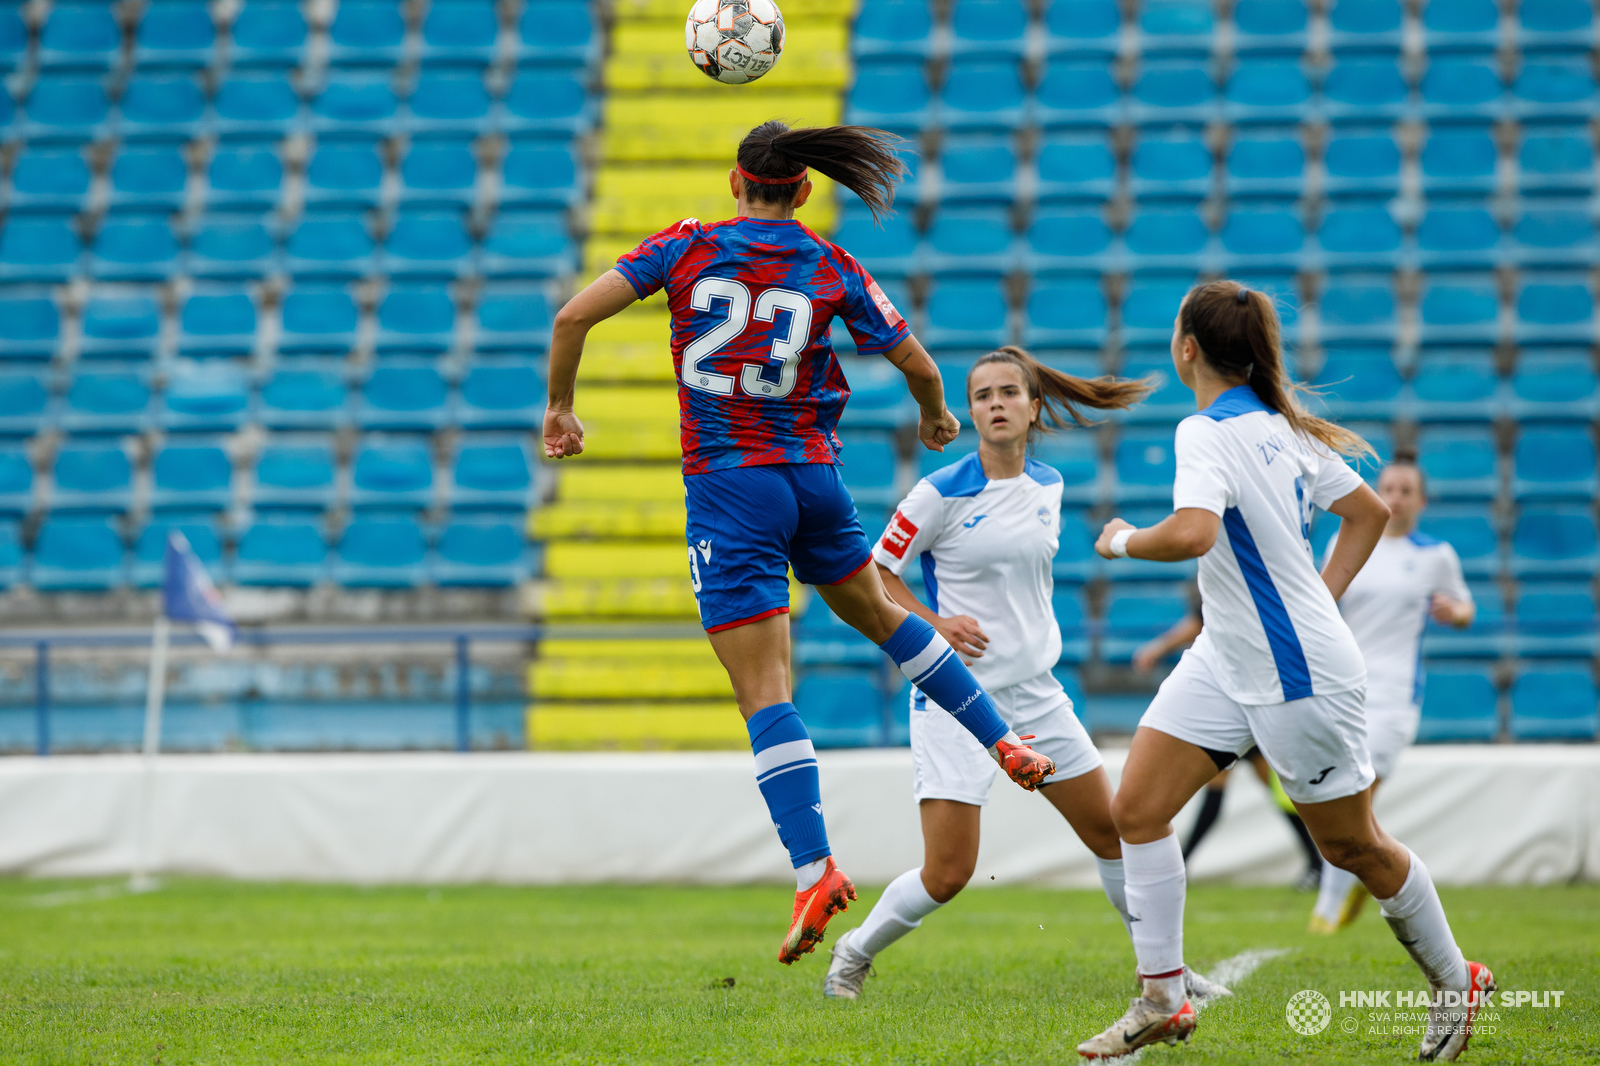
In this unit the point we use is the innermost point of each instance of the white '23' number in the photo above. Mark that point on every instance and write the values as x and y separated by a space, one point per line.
756 378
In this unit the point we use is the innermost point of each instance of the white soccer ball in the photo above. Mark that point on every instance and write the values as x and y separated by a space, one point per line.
734 41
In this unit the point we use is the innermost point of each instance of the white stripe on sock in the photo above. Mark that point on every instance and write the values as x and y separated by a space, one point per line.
769 759
919 665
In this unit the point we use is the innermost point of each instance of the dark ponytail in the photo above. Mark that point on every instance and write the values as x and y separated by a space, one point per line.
1408 457
1238 335
860 158
1060 395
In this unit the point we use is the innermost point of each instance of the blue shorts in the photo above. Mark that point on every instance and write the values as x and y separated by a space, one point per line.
749 524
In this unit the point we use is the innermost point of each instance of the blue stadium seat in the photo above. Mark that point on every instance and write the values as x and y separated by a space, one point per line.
214 398
1554 620
1067 240
1554 309
92 477
982 170
175 35
1148 308
317 320
1556 702
878 397
30 325
134 248
1075 559
1555 25
460 31
254 105
428 245
540 174
1459 703
513 318
1075 168
509 396
150 548
63 107
1171 167
443 174
555 33
303 398
330 245
1271 163
39 249
1554 541
1549 90
1365 25
106 403
217 322
11 558
484 552
1471 532
190 476
244 177
1381 436
152 178
267 33
232 246
967 313
1459 160
24 403
1359 382
79 554
1452 237
1460 309
1073 621
1554 462
962 446
1265 238
295 473
1358 308
1357 236
1144 466
1082 29
1136 614
169 108
981 95
16 482
1073 93
448 102
1168 239
1266 90
1176 28
352 103
545 101
364 31
887 248
1065 312
1075 455
1553 233
1269 27
528 244
288 552
842 708
416 320
821 637
1363 89
381 553
869 465
1456 387
1457 90
120 327
48 180
347 174
970 240
989 28
1361 162
82 35
13 38
1173 91
1486 638
1460 26
492 473
403 396
392 474
1558 159
893 28
1460 464
1554 384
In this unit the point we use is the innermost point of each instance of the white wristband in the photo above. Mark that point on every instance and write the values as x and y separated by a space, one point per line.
1119 542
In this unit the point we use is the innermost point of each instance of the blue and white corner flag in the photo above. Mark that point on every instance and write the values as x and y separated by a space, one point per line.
189 596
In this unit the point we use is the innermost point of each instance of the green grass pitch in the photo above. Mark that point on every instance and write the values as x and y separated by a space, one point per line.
217 972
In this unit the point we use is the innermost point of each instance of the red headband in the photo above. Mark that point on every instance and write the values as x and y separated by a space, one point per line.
771 181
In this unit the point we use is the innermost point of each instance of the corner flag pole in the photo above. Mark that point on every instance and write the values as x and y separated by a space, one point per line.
155 693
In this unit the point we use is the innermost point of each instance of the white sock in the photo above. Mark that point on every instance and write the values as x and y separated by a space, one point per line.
1155 890
899 910
1417 918
1336 886
1114 881
809 874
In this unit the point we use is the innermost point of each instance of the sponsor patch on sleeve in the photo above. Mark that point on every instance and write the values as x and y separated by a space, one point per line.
886 307
897 538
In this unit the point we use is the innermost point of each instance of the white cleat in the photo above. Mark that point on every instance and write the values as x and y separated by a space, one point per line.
1198 986
1450 1027
1144 1024
847 971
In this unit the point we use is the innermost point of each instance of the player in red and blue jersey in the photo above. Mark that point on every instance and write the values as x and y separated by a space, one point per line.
759 393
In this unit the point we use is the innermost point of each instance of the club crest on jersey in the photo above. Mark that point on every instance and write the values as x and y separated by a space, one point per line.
1045 516
897 538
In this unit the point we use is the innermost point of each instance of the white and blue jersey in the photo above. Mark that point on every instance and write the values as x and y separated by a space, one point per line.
985 548
1272 630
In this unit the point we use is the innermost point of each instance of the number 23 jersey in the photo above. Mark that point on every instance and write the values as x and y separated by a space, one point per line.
752 303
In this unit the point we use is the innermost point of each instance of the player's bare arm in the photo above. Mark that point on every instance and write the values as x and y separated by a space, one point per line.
601 298
1448 611
1363 516
962 631
936 426
1153 651
1185 534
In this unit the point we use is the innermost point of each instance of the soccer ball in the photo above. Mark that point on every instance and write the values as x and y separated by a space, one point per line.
734 41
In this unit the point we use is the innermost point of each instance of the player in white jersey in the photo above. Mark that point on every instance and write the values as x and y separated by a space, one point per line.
1409 577
983 532
1275 665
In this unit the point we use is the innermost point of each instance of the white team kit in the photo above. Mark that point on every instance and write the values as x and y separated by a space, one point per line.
985 548
1386 608
1275 665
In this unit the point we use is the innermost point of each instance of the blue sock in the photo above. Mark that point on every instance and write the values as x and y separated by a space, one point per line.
931 664
786 773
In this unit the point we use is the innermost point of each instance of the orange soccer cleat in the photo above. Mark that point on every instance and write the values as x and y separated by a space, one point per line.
1022 764
812 908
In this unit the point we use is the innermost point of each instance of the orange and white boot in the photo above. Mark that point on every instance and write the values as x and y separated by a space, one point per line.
812 908
1144 1023
1450 1027
1021 763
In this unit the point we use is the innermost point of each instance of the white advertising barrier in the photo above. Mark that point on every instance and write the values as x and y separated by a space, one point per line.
1504 815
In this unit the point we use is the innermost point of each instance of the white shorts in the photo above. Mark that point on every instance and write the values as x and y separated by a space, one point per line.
948 762
1390 730
1317 745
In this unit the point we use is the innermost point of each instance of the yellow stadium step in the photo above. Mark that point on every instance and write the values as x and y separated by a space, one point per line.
625 11
653 126
608 520
633 440
581 482
582 559
637 727
623 679
636 201
633 346
651 56
653 598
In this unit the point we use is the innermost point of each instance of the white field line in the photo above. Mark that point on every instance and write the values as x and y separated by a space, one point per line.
1228 972
77 895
